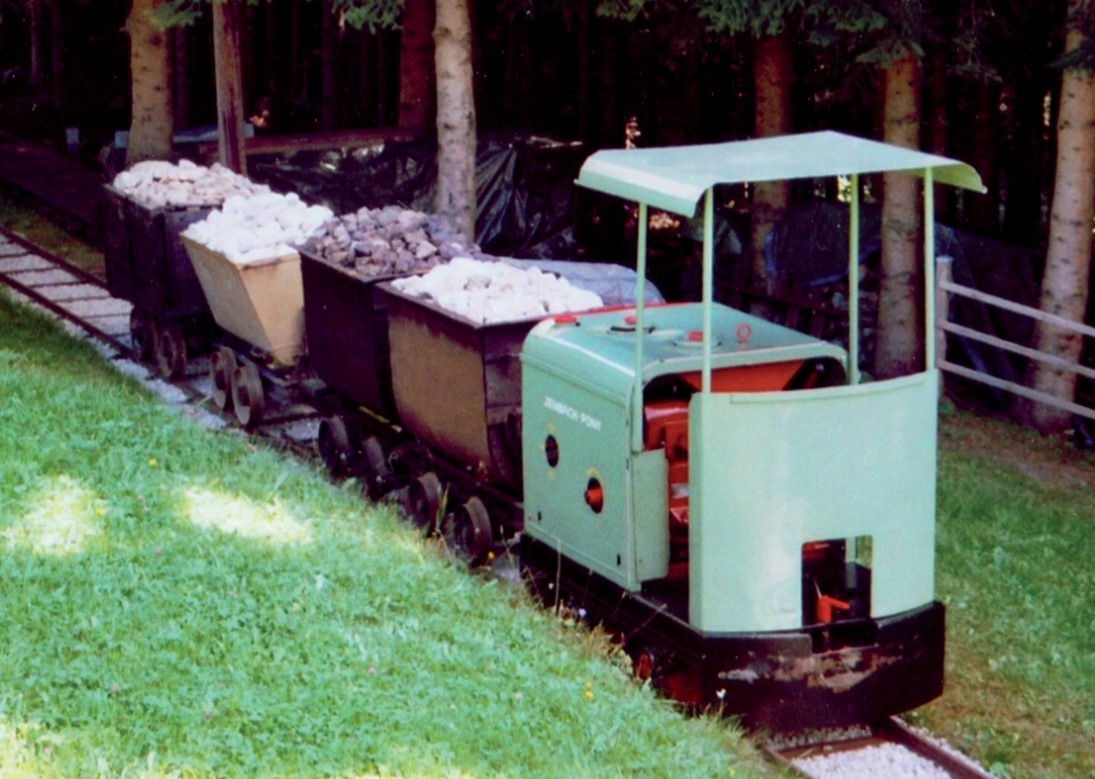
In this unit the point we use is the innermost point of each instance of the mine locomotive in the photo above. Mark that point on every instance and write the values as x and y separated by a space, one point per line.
728 496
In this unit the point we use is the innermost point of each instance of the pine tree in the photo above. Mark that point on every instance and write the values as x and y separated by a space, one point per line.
1065 285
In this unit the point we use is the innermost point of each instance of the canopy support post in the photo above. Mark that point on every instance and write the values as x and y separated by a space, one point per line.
708 283
640 332
853 284
929 270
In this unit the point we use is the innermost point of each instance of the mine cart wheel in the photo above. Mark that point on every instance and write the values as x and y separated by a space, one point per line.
375 458
222 367
377 468
423 502
247 395
333 444
142 332
467 531
171 351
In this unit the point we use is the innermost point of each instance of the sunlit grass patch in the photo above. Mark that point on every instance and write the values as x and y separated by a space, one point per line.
235 514
63 518
16 756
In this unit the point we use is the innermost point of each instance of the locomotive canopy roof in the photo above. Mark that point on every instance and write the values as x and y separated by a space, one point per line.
674 178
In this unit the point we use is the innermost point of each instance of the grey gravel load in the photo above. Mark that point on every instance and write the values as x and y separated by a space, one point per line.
389 241
159 184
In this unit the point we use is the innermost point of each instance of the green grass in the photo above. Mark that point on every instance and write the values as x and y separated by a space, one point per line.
181 603
19 217
1016 568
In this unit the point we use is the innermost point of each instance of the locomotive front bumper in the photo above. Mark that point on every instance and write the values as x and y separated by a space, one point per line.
832 676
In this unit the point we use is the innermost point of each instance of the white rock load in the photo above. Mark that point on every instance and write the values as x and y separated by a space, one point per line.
261 227
493 292
158 183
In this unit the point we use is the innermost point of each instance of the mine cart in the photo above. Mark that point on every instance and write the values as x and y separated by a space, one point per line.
457 384
260 307
147 265
347 324
456 387
348 332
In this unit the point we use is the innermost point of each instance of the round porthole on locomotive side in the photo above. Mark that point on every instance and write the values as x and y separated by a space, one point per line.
551 450
595 495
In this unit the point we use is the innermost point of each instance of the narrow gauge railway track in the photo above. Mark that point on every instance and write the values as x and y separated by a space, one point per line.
82 302
888 749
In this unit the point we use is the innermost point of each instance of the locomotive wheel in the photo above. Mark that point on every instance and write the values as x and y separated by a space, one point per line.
171 351
222 366
142 333
467 531
247 396
423 502
333 443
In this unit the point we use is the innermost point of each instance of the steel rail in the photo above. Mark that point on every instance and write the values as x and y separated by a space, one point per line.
35 294
269 429
889 731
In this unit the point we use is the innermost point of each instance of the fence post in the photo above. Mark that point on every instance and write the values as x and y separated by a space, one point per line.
943 265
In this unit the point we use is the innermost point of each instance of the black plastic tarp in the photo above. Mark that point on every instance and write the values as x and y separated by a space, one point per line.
524 186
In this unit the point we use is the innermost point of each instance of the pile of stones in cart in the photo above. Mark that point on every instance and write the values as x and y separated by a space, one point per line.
252 224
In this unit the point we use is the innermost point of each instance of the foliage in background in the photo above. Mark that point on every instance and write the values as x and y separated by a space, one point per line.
187 604
374 14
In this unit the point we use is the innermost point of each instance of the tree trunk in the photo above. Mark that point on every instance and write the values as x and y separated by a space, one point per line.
416 65
56 55
1065 285
152 119
227 55
328 106
296 64
773 76
1028 163
34 12
455 197
386 113
519 78
900 349
938 125
984 210
182 83
586 81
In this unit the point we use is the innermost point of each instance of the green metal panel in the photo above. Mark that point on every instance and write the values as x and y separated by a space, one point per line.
578 382
650 498
597 350
591 433
772 471
675 178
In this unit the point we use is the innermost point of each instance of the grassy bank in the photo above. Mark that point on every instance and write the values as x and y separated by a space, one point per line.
17 215
1016 568
182 603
